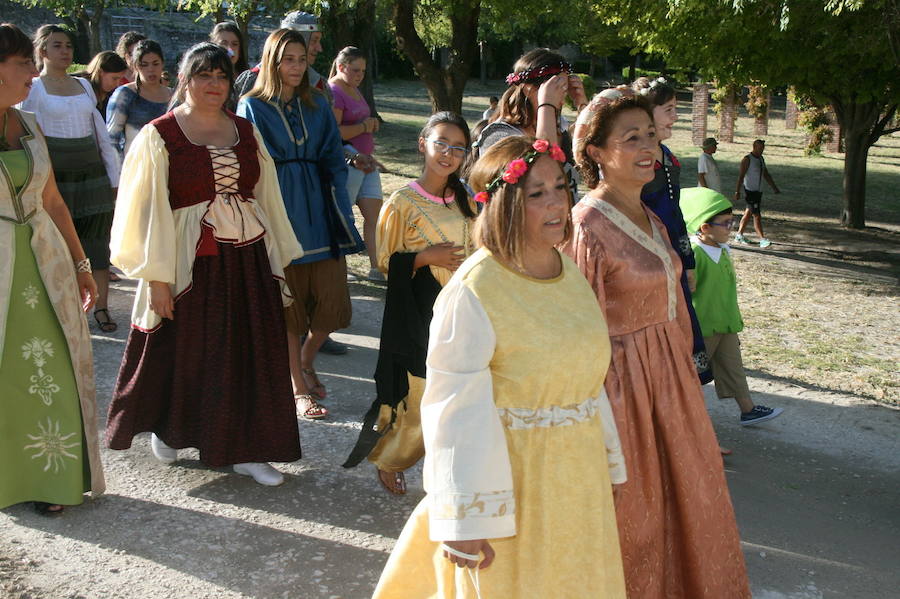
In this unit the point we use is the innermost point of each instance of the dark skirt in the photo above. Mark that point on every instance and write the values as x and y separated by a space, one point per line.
84 185
216 377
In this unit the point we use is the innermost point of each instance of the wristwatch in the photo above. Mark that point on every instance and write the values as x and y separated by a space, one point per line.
351 159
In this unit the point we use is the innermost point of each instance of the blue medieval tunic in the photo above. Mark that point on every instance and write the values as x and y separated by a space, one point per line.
662 196
305 143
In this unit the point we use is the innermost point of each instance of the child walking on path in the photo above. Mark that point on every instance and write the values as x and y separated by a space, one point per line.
708 214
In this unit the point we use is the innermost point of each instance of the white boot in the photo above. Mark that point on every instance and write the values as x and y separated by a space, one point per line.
161 451
262 472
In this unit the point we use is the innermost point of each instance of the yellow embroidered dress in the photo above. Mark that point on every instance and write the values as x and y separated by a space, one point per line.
48 426
413 220
516 426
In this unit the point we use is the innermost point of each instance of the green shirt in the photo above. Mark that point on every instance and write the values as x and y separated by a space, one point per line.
715 299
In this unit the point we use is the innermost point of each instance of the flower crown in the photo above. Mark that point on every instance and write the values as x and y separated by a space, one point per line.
517 168
538 73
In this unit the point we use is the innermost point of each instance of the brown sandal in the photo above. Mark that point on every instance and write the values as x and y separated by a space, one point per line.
309 408
313 384
397 486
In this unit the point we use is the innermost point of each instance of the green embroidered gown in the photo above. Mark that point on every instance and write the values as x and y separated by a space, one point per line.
44 452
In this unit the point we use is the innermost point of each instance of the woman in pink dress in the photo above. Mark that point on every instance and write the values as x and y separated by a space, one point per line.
676 525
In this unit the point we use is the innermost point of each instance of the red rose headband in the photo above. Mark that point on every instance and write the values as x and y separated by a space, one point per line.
517 168
538 74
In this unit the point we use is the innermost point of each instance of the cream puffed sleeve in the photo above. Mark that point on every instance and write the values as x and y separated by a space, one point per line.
390 233
467 472
142 240
268 195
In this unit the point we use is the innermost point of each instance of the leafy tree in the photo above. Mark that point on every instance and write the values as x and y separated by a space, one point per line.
840 53
445 84
84 15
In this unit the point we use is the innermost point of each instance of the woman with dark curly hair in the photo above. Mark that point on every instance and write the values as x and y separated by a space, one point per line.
676 524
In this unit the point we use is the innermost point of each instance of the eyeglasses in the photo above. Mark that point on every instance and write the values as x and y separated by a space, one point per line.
726 225
445 148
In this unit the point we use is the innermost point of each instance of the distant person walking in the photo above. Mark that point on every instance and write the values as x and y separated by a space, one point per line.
124 48
753 171
135 104
707 168
358 126
708 215
85 163
490 110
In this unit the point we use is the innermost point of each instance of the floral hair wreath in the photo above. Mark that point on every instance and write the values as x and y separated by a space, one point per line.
538 73
517 168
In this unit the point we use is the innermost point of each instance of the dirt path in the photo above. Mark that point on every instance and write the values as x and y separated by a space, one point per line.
815 493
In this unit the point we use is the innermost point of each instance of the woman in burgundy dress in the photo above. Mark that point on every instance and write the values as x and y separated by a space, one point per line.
201 223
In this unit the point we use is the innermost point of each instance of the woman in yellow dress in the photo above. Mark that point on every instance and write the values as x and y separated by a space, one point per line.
514 415
426 223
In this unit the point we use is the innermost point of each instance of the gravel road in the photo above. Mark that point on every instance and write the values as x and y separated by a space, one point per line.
816 493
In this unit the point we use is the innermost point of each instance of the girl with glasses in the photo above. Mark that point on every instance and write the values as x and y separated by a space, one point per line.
423 235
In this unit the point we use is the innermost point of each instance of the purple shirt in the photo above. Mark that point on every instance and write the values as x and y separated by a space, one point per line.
355 112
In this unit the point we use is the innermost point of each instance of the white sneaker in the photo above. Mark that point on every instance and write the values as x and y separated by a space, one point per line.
764 243
262 472
738 238
161 451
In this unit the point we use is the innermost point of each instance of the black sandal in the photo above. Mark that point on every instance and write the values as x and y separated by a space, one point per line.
108 325
48 509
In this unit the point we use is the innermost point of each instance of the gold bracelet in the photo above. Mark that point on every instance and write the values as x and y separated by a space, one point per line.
83 266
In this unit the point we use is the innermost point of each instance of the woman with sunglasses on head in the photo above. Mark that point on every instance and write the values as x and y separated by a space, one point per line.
662 196
302 136
424 234
521 449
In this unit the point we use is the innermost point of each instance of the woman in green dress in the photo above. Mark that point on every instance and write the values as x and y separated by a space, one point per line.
49 452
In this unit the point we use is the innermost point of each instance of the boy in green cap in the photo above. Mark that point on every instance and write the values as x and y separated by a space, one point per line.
708 214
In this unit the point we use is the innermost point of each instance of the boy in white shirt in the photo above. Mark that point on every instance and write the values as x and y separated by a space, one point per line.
707 169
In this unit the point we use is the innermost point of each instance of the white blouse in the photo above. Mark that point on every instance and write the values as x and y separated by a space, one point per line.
70 117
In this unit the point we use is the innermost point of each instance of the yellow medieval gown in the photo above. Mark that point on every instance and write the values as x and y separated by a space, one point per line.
521 446
411 221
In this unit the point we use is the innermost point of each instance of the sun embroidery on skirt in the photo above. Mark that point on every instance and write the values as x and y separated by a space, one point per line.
52 445
31 296
38 350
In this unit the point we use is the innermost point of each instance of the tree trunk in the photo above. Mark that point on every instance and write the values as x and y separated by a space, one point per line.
94 25
445 85
727 119
791 111
699 109
853 212
862 128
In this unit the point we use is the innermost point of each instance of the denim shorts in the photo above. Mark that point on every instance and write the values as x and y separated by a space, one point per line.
363 185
